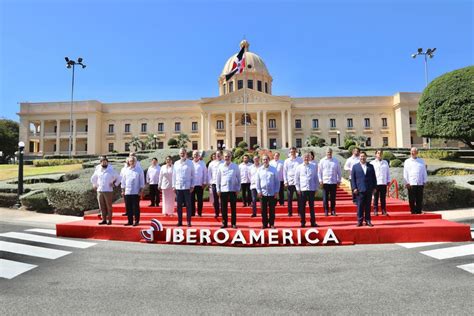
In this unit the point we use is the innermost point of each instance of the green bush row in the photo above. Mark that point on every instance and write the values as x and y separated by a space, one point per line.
7 199
396 163
447 172
438 154
55 162
36 201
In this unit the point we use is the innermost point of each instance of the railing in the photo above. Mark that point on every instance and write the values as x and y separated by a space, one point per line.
393 189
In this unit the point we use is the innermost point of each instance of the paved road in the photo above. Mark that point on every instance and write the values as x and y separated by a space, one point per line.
132 278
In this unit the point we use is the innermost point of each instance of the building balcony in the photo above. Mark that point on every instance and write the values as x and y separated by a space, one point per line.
368 130
298 130
81 152
50 134
81 134
316 130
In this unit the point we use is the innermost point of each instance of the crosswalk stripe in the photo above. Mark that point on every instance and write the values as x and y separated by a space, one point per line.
49 240
10 269
33 251
41 230
410 245
451 252
472 235
468 267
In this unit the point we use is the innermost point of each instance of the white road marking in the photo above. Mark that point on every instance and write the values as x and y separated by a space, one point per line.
472 235
410 245
10 269
33 251
41 230
49 240
450 252
468 267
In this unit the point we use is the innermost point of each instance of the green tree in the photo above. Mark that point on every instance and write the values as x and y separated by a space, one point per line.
182 140
446 107
173 143
150 141
9 135
314 141
136 142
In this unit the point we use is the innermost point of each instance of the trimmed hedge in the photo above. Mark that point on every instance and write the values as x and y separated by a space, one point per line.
388 155
55 162
438 154
7 199
36 201
447 172
396 163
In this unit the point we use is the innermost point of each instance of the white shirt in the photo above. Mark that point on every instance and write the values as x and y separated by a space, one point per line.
414 171
289 169
200 173
278 165
183 174
104 179
364 167
253 176
306 177
228 178
212 171
350 162
153 174
329 171
267 181
382 171
244 169
133 180
166 177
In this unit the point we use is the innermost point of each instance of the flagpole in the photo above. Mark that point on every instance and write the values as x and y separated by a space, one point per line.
245 104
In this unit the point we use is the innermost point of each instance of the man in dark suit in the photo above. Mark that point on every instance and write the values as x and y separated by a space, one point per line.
364 184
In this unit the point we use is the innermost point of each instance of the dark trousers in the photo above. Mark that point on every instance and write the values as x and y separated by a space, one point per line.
254 201
154 195
184 197
364 200
225 198
329 194
216 199
246 194
197 196
291 192
382 194
132 206
268 210
307 196
354 196
281 193
415 197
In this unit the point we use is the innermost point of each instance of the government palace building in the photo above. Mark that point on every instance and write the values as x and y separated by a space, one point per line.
245 109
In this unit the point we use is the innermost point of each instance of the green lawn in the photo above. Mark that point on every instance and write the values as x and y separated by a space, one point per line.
11 171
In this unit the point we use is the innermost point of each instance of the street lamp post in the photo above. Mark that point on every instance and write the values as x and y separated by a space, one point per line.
21 146
71 64
338 138
154 138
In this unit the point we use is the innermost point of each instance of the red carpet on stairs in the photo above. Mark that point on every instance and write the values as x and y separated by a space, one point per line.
399 226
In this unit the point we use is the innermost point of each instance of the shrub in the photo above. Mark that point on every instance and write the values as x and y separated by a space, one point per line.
55 162
348 143
173 143
447 172
238 152
243 145
396 163
351 148
388 155
438 154
461 197
36 201
7 199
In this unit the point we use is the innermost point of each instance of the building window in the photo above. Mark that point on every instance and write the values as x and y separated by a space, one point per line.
56 127
143 128
127 128
86 128
333 141
259 85
411 120
231 86
111 128
298 124
332 123
220 124
384 122
111 147
411 141
368 143
243 121
273 143
299 143
177 126
160 145
266 87
367 123
195 145
54 147
315 123
272 123
85 147
127 147
250 84
385 141
350 123
161 127
240 84
223 88
194 126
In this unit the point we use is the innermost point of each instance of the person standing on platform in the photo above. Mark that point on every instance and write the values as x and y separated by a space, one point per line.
211 196
382 172
329 175
212 176
244 169
228 185
289 169
103 181
268 186
253 183
133 182
364 184
200 182
306 183
350 162
165 183
415 176
152 177
183 179
278 165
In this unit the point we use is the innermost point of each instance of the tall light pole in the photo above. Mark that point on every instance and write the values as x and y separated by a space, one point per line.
72 64
21 146
428 53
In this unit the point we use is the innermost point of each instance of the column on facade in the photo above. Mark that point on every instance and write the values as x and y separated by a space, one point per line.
201 129
208 130
41 144
259 128
74 137
283 129
233 144
58 134
290 130
265 130
227 131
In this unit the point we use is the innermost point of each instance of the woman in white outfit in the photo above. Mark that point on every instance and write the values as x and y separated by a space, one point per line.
166 186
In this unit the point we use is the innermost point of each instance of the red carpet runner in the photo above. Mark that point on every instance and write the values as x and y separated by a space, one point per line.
399 226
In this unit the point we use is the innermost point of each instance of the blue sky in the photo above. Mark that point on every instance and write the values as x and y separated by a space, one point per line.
174 50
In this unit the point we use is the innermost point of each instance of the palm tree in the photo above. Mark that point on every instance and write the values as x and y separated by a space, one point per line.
150 141
136 142
182 140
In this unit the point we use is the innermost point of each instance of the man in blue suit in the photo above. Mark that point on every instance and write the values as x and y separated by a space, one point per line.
364 184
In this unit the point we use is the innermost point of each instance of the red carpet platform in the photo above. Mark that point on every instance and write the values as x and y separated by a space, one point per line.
399 226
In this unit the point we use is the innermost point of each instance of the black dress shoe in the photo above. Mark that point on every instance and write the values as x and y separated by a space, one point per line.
314 225
333 214
369 224
179 224
124 214
234 226
272 226
109 223
151 205
290 214
189 224
224 226
136 224
384 213
128 224
303 225
216 216
254 215
264 226
376 214
103 223
359 224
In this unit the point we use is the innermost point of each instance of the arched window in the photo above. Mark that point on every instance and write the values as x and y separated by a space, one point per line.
249 119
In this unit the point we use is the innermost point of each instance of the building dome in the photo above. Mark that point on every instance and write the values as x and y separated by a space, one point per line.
255 63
